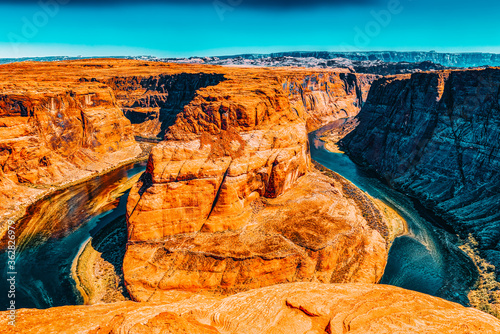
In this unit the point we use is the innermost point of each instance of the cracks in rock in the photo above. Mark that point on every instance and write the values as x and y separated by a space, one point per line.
216 199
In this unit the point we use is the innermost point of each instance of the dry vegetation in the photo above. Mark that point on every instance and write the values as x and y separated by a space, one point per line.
485 296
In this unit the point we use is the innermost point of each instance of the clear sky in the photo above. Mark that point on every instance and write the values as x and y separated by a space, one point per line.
215 27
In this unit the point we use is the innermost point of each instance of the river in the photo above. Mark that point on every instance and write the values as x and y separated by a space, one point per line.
50 235
426 259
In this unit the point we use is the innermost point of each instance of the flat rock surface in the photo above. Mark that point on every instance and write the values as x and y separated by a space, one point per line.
288 308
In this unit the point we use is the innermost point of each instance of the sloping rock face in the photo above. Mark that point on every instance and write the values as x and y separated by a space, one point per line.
437 137
52 135
289 308
312 232
327 97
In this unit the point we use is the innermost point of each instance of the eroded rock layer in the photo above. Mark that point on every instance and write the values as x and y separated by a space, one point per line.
210 212
325 98
63 121
55 134
288 308
152 103
437 137
312 232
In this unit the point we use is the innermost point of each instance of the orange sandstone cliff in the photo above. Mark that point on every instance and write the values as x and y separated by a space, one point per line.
53 132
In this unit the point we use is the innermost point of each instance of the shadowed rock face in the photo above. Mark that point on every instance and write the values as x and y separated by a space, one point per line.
437 137
152 103
288 308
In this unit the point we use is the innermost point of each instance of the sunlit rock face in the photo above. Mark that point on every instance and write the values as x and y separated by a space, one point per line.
437 137
312 232
53 133
288 308
326 97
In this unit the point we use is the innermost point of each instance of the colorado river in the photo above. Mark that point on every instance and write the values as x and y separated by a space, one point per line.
54 229
425 259
51 234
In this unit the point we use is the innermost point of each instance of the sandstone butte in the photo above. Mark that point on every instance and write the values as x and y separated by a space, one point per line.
287 308
230 201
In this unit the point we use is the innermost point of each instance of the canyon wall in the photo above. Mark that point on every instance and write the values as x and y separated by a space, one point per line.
326 97
229 201
152 103
53 135
436 136
298 308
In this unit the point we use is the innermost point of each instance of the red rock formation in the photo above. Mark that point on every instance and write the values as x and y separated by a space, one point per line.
289 308
54 134
232 173
236 147
327 97
312 232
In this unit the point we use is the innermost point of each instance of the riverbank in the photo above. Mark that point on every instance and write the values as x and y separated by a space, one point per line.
425 259
378 214
332 133
97 267
98 276
44 193
53 231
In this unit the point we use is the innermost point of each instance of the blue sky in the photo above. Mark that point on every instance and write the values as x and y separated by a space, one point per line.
200 28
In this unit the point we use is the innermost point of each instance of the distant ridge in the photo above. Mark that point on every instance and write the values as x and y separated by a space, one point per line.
468 59
462 60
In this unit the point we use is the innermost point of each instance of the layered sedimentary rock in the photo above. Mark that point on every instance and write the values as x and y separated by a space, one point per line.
289 308
52 134
325 98
312 232
437 137
152 103
61 121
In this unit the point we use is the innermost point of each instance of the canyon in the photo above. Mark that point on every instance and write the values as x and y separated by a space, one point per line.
231 224
436 137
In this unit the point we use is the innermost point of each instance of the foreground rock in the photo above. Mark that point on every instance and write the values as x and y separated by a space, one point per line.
289 308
